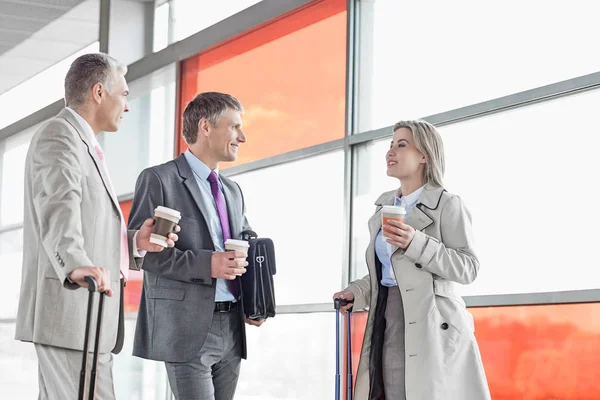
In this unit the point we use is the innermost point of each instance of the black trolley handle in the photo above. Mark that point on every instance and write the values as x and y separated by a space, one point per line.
92 287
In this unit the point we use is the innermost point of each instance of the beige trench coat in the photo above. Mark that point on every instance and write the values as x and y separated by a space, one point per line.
442 357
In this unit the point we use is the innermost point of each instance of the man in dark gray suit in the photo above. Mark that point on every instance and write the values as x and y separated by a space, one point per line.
191 313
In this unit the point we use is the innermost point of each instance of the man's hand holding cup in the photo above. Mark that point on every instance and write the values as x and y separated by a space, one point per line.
161 232
228 264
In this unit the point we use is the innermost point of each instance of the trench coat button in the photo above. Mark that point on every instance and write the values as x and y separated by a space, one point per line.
445 326
418 266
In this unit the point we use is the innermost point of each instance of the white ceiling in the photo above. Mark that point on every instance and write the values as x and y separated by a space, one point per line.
36 34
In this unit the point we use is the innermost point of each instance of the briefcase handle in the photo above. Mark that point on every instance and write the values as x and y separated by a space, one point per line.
248 234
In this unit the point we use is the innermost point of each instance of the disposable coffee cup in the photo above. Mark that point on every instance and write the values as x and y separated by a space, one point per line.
237 245
396 213
165 220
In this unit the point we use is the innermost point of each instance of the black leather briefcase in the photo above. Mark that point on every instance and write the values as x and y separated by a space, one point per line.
257 283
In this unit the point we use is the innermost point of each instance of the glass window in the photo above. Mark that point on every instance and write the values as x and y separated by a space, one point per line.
418 58
18 366
370 181
146 135
532 352
11 262
291 356
525 178
191 16
39 91
300 206
136 378
161 27
13 152
289 75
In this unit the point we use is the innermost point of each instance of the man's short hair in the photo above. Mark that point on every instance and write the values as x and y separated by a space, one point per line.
88 70
209 105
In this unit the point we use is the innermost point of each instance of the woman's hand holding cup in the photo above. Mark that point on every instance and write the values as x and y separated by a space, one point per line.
398 233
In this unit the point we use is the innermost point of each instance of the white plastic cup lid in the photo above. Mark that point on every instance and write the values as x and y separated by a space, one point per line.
235 242
394 210
168 211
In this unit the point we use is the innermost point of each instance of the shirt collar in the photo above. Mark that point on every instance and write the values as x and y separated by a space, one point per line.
411 198
87 129
198 167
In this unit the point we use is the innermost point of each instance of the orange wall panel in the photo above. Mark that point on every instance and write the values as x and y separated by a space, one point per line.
290 75
546 352
133 290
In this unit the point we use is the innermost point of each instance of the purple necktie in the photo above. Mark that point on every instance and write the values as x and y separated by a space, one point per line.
233 285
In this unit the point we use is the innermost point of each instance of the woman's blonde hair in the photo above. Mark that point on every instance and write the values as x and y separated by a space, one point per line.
429 142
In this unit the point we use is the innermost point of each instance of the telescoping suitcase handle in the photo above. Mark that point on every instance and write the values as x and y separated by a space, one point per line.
337 304
92 287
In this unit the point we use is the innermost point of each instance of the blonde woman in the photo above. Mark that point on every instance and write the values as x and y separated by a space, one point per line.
419 342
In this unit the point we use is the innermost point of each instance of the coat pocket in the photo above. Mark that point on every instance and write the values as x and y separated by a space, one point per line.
166 293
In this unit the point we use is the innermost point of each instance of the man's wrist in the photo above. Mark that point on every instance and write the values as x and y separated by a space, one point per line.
136 251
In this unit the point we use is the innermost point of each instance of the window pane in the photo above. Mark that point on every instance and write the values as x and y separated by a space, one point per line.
291 204
18 366
531 232
136 378
290 357
291 101
161 27
11 259
532 352
423 57
39 91
191 16
145 137
13 152
370 181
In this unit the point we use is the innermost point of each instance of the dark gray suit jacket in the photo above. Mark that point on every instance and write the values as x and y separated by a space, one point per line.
177 304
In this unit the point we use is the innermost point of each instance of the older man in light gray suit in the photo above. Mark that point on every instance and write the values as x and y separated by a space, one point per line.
191 313
73 227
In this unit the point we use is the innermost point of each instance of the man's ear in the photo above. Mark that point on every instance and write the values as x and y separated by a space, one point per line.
98 92
203 127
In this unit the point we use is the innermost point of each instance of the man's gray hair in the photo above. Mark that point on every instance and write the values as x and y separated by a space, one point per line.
429 142
88 70
209 105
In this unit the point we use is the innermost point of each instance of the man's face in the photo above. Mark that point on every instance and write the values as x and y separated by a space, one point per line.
114 104
226 136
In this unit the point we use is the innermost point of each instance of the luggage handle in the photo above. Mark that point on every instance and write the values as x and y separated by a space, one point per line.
92 287
337 305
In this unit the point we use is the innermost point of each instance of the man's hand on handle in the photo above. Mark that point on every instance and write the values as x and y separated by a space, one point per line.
345 295
101 275
223 264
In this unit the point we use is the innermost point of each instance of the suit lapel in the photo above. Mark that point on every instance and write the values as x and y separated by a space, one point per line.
66 114
189 181
418 219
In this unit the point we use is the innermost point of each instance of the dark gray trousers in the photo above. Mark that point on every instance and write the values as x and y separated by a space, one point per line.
213 374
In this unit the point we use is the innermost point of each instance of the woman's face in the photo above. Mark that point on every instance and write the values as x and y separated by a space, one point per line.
403 159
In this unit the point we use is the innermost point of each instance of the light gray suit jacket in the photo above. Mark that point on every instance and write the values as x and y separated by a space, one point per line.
178 295
71 220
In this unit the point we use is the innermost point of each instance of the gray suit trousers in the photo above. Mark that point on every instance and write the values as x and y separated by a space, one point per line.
213 373
59 371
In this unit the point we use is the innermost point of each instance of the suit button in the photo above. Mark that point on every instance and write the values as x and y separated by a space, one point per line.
418 266
445 326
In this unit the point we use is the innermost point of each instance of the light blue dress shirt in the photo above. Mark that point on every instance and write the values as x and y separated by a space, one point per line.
201 173
384 250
